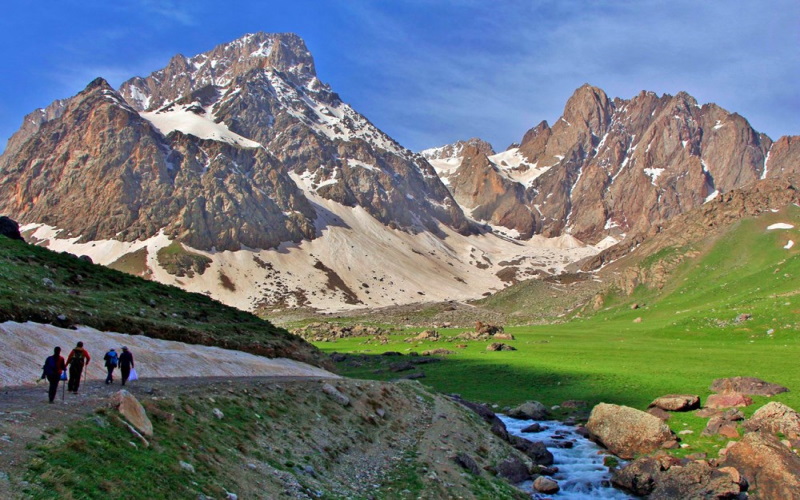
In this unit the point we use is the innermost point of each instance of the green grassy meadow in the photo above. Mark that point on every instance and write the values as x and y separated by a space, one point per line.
686 338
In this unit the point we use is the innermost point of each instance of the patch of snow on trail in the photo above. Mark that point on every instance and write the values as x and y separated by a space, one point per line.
780 225
31 343
789 245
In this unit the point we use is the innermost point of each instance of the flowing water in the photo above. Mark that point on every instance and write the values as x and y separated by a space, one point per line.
581 473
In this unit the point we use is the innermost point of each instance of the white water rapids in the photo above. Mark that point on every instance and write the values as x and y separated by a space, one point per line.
581 474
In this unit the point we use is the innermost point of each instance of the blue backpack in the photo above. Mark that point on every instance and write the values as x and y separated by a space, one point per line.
112 358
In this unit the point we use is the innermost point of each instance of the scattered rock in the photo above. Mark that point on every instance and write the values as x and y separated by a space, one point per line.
545 485
438 352
775 418
402 366
696 479
513 470
334 393
742 318
47 282
746 385
659 413
187 466
535 450
487 329
499 346
640 476
626 431
217 413
728 400
771 469
468 463
498 428
676 402
638 320
133 412
9 228
503 336
426 336
530 410
534 427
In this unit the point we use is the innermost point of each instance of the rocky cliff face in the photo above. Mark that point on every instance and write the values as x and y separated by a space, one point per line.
616 167
204 149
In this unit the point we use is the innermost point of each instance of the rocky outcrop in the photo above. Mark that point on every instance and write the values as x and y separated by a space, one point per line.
530 410
697 479
746 385
775 418
9 228
625 431
130 408
676 402
622 166
771 469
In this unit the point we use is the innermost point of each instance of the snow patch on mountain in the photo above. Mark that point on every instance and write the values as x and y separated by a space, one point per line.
196 120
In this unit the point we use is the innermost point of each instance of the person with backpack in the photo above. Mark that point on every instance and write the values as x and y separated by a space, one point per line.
125 364
76 360
53 367
112 360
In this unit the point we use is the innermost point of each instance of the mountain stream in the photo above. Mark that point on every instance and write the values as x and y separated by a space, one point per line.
581 474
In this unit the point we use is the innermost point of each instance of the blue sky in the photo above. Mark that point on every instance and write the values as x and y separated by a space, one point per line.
431 72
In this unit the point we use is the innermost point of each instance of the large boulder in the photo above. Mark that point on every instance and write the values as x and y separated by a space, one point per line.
728 400
676 402
771 469
535 450
695 480
9 228
530 410
640 476
746 385
545 485
625 431
133 411
775 418
513 470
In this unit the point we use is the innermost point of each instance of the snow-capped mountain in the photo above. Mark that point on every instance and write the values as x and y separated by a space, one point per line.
611 167
239 174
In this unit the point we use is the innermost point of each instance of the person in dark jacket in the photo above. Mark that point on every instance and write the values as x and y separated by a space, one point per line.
125 364
53 367
77 358
112 360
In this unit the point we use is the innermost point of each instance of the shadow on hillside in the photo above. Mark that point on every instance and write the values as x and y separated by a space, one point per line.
493 381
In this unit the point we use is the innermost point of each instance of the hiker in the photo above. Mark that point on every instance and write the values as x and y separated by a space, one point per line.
112 360
53 367
76 359
125 364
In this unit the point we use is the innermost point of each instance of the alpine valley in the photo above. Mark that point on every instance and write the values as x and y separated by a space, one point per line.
237 173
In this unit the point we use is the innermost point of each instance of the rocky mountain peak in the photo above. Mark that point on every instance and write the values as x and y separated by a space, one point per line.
458 148
282 52
589 107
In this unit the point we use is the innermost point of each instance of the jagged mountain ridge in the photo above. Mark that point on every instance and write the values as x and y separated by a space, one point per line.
223 132
236 173
611 167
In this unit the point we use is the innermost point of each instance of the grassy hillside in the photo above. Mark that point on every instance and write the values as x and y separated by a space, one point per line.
687 335
260 439
39 285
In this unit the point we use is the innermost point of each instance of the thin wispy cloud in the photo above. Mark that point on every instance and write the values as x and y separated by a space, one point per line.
179 12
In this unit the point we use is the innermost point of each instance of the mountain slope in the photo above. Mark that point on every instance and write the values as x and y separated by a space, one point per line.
238 174
47 287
